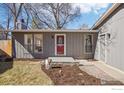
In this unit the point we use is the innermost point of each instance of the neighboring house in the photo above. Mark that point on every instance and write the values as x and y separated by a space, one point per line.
49 43
110 43
21 24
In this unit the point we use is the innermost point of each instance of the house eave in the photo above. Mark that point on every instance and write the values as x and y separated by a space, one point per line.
105 15
53 31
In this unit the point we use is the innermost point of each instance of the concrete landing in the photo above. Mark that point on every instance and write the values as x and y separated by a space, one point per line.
62 59
70 60
84 62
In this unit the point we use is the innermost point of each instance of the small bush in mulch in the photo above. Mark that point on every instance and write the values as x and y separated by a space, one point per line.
70 75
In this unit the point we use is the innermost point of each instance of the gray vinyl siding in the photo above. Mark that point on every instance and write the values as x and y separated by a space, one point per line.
18 47
74 45
48 44
114 48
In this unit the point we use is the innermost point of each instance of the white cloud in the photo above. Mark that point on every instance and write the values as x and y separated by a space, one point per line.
91 7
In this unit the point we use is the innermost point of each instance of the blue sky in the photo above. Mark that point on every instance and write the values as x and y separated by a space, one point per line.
90 13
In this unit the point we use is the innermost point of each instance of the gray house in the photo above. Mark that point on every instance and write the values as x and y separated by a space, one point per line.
110 43
104 42
51 43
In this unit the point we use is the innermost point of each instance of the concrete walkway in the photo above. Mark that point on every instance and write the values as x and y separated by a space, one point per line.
96 68
113 72
103 71
98 73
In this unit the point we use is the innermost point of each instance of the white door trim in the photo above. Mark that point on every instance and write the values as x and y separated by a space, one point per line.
64 45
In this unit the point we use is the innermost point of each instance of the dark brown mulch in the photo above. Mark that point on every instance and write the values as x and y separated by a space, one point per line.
72 75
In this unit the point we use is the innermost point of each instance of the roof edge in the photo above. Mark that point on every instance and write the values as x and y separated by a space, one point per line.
105 15
50 30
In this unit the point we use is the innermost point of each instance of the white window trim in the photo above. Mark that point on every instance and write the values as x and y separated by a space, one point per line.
41 44
85 44
25 42
25 38
64 45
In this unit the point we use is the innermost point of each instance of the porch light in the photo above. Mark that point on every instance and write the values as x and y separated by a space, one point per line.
52 36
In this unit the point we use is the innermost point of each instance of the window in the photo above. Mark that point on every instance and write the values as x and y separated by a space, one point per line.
38 43
108 36
60 39
88 43
28 42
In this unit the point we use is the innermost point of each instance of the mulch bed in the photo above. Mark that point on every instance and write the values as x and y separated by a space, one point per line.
71 75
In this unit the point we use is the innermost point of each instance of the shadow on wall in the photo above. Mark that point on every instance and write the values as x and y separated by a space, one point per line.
6 65
96 49
19 51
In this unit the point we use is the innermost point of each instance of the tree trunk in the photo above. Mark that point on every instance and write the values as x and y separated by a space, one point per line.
8 24
15 20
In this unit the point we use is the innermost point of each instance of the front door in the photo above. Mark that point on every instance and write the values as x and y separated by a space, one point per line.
60 42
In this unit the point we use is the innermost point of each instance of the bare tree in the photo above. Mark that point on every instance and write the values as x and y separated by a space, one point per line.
1 27
6 19
28 16
53 15
15 10
9 17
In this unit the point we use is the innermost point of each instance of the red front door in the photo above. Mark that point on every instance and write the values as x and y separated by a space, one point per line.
60 44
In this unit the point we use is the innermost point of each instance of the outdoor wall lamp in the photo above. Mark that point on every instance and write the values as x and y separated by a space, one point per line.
52 36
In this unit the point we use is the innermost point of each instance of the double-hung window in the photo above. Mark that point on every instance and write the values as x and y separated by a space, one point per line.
34 43
38 43
28 42
88 43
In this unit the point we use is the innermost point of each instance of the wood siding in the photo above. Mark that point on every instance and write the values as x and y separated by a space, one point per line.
114 46
74 45
6 47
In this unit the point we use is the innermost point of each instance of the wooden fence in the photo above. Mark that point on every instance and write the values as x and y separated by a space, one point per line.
6 47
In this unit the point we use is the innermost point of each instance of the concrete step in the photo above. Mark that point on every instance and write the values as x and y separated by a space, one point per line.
62 59
84 62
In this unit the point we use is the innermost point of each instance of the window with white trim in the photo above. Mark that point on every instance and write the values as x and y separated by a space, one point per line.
38 43
88 43
28 42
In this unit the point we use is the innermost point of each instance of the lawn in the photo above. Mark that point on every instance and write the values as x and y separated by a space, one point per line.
23 73
32 73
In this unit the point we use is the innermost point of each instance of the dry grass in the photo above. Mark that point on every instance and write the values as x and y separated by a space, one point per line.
23 73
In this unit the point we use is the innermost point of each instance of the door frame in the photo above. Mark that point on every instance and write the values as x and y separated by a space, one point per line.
64 45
